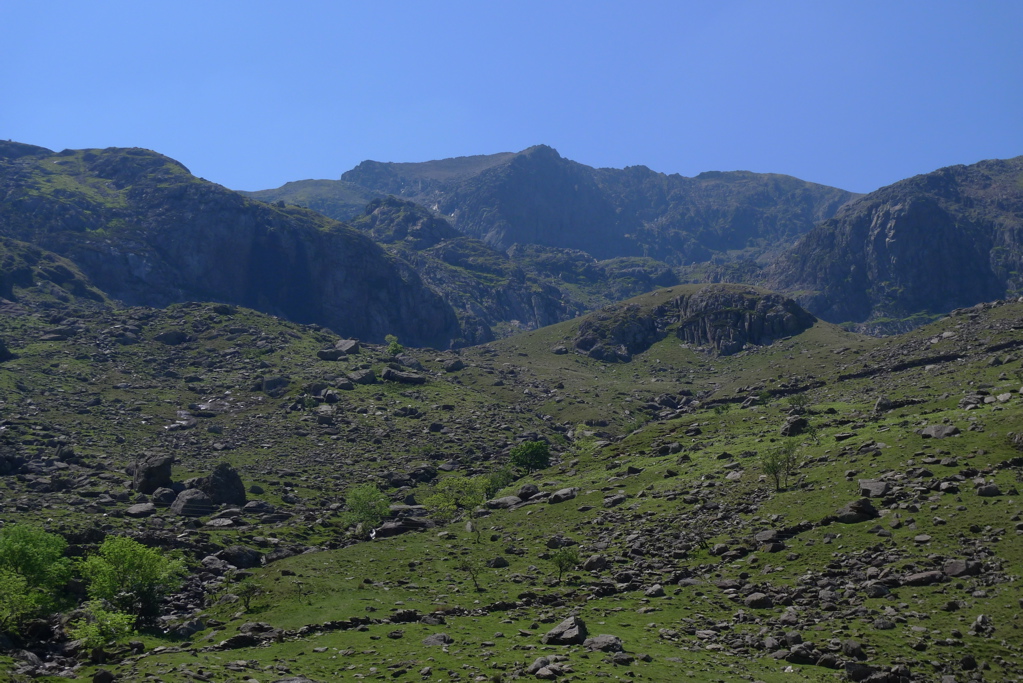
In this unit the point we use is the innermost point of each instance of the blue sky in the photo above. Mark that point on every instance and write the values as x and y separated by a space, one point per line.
254 94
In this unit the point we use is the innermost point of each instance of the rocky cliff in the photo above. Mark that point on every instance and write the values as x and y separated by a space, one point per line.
720 319
146 231
927 244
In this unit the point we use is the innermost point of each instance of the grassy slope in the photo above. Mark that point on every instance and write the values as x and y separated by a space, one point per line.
663 506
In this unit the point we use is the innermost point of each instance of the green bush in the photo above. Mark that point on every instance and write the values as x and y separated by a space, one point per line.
100 626
455 493
531 455
367 506
130 576
393 347
497 480
36 555
17 601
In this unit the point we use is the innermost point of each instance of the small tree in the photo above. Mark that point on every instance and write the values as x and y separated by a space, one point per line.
531 456
473 566
781 464
246 591
367 506
36 555
393 347
798 402
564 559
453 494
131 577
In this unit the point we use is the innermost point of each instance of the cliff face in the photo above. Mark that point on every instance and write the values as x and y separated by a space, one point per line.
721 319
537 197
928 244
146 231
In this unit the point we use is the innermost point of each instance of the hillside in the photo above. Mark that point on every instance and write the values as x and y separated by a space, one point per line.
925 245
537 197
884 550
147 232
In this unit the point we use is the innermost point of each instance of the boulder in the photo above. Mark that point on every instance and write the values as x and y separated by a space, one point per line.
392 375
223 486
438 639
192 503
347 346
140 510
562 495
241 556
924 578
151 473
363 376
603 643
758 601
989 491
794 426
938 431
571 631
503 503
172 337
872 488
857 511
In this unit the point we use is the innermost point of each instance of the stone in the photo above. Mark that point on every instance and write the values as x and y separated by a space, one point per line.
223 486
872 488
794 426
103 676
571 631
241 556
438 639
454 365
192 503
595 563
172 337
330 354
363 376
347 346
562 495
503 503
857 511
392 375
140 510
938 431
989 491
758 601
275 387
151 473
924 578
527 491
603 643
957 568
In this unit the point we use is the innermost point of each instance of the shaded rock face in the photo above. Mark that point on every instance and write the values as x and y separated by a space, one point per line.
181 238
931 243
728 320
725 318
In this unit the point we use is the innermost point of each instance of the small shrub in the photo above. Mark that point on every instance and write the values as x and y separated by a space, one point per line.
101 627
17 601
36 555
497 480
453 494
393 347
367 506
531 456
131 577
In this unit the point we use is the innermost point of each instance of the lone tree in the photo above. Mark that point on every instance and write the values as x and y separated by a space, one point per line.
531 455
455 493
367 506
473 566
564 559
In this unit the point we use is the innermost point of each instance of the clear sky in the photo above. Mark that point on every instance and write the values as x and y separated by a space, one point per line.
253 94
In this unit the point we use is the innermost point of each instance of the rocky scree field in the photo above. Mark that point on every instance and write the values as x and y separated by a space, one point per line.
736 491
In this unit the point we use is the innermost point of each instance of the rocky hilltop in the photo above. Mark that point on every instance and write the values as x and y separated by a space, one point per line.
145 231
538 197
927 244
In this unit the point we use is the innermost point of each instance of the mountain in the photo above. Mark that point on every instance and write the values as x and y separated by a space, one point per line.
495 293
536 197
147 232
922 246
